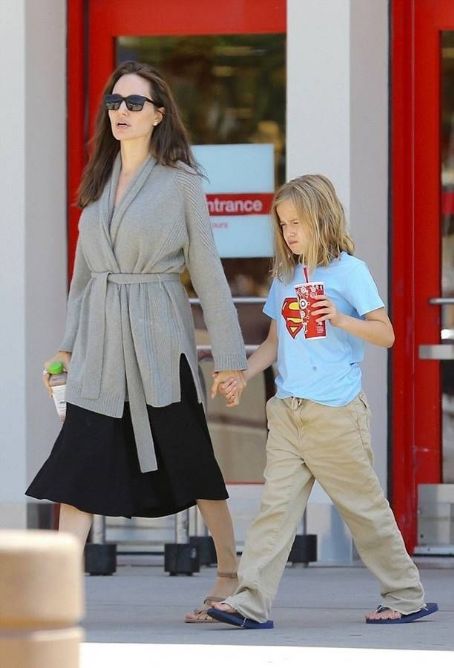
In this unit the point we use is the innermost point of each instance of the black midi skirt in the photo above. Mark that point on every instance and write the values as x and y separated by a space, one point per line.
94 465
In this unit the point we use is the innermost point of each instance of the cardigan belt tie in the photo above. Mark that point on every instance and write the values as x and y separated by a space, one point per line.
91 387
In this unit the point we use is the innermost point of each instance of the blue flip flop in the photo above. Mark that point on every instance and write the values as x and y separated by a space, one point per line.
427 609
236 619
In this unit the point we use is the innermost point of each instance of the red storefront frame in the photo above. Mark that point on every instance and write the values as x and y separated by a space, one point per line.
416 27
415 111
93 26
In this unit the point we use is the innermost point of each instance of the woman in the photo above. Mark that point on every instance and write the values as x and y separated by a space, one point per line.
135 440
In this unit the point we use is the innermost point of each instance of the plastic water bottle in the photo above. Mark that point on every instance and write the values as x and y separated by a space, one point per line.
57 381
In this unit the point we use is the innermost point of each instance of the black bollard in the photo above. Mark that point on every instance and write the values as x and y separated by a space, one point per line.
304 549
206 549
181 559
100 557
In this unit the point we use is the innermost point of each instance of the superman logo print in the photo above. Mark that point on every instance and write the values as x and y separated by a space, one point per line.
291 313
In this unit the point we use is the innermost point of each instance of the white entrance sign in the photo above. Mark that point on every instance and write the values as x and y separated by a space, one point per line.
239 189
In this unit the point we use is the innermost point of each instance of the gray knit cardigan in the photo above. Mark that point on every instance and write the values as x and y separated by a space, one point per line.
128 315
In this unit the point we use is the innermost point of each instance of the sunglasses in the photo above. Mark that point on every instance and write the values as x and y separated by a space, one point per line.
133 102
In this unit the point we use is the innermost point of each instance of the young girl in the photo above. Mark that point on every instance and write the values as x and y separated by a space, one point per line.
319 419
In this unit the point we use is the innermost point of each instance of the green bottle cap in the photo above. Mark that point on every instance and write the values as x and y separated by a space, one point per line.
55 368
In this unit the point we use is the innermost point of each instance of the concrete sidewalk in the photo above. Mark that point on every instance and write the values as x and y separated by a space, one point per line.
135 616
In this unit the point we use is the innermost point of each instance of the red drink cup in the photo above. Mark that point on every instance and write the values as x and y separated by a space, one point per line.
306 293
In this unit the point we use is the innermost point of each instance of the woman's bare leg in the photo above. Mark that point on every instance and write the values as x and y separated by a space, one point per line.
216 516
75 522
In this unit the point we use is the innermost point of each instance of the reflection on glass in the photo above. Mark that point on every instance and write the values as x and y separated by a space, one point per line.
447 228
230 89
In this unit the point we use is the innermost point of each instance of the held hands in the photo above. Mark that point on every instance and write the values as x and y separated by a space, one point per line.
231 390
61 356
230 384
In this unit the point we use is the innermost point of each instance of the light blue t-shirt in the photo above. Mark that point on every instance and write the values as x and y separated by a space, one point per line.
326 370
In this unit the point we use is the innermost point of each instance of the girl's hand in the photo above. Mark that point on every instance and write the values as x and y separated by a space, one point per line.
221 377
326 310
61 356
230 389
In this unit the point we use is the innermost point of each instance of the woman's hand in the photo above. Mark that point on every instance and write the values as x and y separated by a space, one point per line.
232 377
61 356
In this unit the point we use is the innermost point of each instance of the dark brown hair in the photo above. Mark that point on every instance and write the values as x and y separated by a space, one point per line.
169 142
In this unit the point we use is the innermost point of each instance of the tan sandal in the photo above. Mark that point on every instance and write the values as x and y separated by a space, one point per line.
199 615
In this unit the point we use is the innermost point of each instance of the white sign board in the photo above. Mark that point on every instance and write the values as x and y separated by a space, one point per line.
239 189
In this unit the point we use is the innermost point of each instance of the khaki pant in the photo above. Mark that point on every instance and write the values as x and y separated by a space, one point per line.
308 442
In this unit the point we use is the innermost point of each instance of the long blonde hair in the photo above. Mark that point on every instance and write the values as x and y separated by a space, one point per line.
318 205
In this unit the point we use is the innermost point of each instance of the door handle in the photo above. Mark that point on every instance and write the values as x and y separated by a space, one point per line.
443 351
441 301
